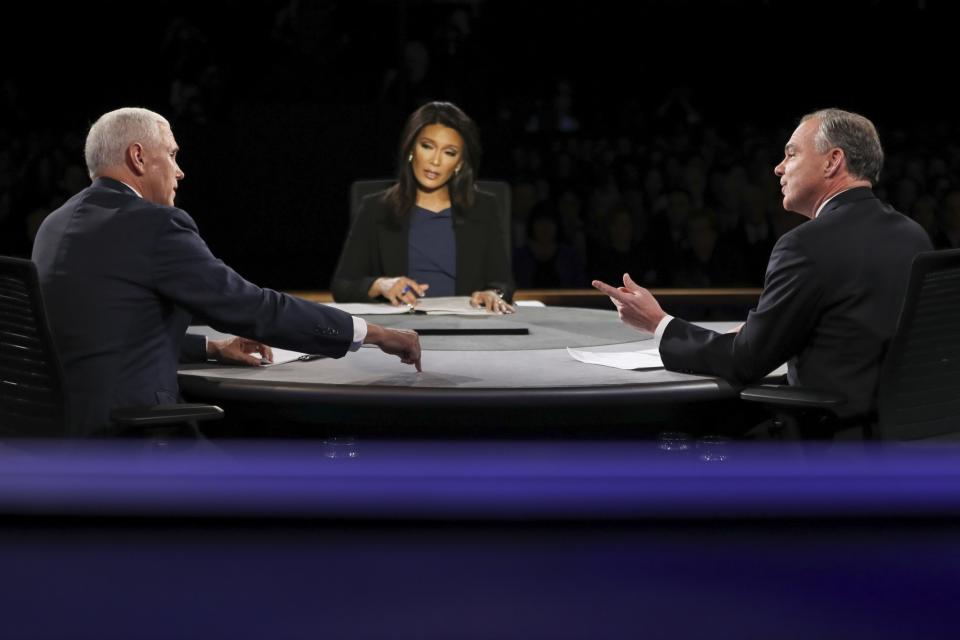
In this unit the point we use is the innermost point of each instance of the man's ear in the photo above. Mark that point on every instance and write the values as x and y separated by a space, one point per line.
135 159
835 160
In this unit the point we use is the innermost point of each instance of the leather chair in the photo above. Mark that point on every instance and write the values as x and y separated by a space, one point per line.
919 388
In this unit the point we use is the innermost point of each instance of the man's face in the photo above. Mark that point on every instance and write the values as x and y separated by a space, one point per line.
162 172
801 171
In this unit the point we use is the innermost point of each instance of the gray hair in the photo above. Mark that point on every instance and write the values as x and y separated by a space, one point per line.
855 135
114 132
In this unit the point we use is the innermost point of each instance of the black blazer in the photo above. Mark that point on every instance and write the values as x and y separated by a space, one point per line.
121 279
830 303
378 245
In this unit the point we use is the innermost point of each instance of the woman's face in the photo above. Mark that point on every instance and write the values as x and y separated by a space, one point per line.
437 153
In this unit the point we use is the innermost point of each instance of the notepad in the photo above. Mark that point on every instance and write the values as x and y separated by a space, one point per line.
443 305
449 305
634 359
369 308
283 356
472 331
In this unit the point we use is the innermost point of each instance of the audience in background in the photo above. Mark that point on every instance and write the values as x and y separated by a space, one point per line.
660 164
546 260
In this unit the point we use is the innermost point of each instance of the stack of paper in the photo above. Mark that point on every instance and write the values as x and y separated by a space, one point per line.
369 308
449 305
642 359
444 305
282 356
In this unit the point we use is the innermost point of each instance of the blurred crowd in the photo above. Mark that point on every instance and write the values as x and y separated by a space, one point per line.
654 183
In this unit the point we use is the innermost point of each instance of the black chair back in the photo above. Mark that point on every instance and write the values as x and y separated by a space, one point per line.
919 392
32 397
497 188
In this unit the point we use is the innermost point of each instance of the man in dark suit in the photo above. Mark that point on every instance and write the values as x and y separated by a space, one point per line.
123 271
834 285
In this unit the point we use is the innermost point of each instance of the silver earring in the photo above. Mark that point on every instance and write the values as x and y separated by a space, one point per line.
410 157
456 171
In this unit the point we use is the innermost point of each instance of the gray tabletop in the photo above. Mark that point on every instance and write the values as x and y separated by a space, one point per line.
533 372
542 327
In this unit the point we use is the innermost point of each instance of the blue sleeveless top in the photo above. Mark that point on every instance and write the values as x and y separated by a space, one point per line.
432 257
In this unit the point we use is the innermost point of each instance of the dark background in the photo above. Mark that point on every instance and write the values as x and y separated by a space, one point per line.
279 106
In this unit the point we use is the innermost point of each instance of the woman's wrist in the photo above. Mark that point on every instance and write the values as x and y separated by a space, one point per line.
494 292
381 286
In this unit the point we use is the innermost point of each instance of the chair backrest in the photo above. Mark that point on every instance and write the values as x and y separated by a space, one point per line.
919 392
497 188
32 397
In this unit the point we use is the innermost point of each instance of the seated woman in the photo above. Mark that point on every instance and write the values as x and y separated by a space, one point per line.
432 230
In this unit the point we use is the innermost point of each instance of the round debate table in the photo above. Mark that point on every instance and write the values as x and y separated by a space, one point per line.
485 376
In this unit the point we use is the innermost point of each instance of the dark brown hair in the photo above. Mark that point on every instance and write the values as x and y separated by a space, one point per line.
403 195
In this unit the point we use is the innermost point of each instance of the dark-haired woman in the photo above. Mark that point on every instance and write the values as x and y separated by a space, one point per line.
432 230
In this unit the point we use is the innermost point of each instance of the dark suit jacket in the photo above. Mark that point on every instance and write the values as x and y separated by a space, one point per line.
377 246
122 277
830 303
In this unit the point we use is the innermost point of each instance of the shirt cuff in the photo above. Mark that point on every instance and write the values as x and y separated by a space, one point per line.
661 328
359 333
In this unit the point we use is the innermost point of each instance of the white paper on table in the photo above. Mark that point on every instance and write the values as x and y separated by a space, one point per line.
443 305
449 305
369 308
643 359
282 356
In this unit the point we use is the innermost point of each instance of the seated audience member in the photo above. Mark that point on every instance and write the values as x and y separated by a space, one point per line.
705 262
624 248
753 237
545 261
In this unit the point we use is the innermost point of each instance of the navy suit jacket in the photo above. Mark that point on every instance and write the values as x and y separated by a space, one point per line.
122 278
378 245
832 295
